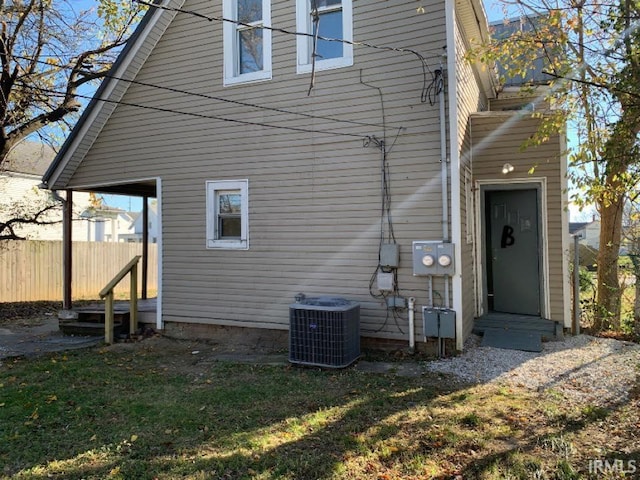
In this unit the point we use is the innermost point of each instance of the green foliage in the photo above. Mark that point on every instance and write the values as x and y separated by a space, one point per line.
592 52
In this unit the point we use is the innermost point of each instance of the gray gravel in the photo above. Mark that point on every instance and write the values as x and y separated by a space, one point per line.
584 369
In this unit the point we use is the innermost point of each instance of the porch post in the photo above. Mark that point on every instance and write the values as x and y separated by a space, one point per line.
67 214
145 244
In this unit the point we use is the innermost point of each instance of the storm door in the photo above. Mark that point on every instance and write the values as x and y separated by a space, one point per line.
512 251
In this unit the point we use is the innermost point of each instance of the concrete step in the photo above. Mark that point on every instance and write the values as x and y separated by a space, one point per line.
548 329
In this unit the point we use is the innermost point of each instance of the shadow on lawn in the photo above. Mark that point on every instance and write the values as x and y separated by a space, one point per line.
255 422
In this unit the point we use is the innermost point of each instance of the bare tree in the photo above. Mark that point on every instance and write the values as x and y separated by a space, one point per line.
48 51
16 217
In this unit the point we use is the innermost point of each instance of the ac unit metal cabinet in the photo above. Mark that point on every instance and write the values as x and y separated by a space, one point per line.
324 332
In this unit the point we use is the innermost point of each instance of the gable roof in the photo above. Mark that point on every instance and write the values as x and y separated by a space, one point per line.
112 88
30 158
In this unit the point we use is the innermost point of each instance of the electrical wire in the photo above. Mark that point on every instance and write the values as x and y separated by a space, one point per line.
200 115
434 88
423 61
222 99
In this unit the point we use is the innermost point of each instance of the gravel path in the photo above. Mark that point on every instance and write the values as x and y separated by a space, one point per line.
590 370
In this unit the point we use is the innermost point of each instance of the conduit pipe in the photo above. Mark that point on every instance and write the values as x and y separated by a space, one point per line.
444 177
412 328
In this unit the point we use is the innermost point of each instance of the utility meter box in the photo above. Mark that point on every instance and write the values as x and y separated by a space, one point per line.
439 322
390 255
433 258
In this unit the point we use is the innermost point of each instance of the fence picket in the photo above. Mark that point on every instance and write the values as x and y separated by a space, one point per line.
31 270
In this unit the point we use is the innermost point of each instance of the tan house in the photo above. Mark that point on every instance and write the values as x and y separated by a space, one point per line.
378 166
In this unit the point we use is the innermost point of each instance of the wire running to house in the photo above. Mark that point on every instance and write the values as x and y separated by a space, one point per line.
212 18
200 115
222 99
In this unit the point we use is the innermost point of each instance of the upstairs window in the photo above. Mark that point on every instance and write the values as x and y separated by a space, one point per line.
227 214
334 20
247 46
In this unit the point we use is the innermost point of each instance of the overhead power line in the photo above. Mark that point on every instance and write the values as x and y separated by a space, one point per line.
199 115
224 100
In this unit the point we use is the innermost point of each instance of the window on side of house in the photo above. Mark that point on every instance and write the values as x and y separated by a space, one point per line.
228 214
335 20
247 46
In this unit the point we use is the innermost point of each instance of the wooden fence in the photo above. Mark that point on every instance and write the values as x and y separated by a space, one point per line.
32 270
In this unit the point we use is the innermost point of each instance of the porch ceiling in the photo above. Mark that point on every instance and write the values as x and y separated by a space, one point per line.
136 189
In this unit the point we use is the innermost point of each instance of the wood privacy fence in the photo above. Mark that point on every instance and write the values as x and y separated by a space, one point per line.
32 270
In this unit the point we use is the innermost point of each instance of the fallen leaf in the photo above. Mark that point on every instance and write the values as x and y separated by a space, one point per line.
134 438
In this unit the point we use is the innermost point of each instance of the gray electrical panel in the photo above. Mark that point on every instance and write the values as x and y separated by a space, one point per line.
390 255
439 322
433 258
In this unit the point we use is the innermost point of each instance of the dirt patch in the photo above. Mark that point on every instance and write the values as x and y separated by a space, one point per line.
27 313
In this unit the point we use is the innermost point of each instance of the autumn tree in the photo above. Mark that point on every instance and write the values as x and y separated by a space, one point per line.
591 57
49 50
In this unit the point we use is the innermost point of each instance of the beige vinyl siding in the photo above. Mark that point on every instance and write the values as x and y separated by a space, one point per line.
490 154
470 99
314 198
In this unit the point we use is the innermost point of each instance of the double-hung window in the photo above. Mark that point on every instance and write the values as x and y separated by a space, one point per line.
247 46
329 19
227 214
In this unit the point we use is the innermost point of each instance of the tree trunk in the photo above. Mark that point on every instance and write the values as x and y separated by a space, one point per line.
635 261
609 292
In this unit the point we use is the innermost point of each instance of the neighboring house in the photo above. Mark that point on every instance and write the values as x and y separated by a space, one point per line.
588 232
267 188
20 195
136 227
107 224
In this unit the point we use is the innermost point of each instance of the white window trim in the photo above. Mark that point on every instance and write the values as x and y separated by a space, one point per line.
304 24
231 46
212 187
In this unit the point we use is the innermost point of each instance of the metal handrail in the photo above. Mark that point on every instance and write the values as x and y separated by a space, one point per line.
107 294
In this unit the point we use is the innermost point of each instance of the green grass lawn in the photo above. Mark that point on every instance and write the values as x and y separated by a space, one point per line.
155 410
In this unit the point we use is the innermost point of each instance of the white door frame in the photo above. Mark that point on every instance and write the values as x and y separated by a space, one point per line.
481 186
158 180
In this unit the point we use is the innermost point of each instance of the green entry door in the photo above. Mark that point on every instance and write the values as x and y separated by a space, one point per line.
513 251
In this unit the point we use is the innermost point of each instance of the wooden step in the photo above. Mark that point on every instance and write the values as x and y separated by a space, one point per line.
90 321
91 329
